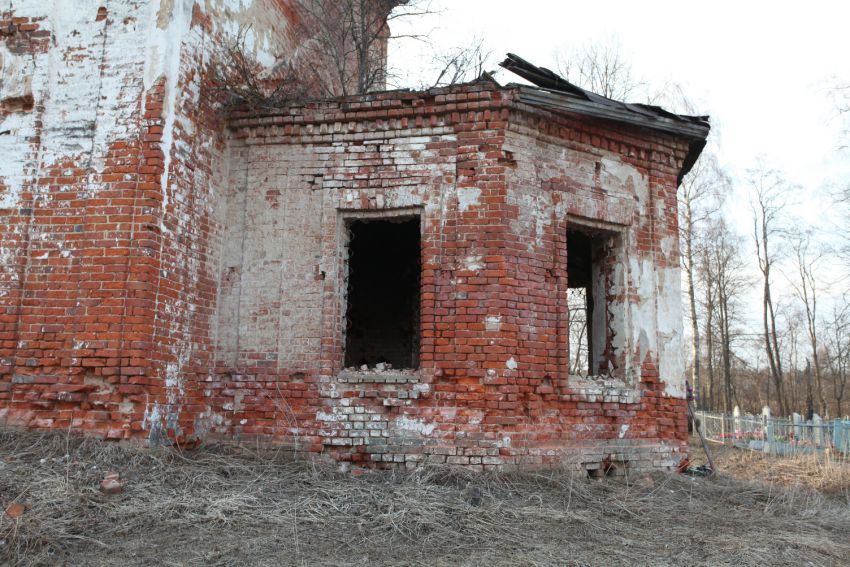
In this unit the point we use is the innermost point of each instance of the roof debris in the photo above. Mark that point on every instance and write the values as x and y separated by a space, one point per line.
559 95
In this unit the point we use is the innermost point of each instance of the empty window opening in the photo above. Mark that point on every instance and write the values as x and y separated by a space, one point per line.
579 335
382 318
579 300
589 261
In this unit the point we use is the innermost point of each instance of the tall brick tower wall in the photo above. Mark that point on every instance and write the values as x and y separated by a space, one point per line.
111 164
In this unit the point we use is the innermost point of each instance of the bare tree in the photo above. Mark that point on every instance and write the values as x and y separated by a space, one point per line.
809 400
729 285
842 202
806 289
768 197
837 351
600 68
701 196
708 283
350 36
341 51
577 306
840 93
840 196
238 79
791 324
460 64
722 272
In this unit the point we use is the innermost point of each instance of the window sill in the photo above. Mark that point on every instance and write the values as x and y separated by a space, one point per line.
375 377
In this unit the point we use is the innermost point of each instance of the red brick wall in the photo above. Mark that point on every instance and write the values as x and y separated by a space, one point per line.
106 284
72 201
495 187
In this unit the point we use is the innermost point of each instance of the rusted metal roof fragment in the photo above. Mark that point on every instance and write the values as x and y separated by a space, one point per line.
555 93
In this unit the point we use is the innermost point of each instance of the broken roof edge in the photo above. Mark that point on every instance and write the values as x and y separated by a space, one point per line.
552 91
681 125
696 127
693 129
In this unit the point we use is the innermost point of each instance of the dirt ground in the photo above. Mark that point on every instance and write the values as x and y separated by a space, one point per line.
228 506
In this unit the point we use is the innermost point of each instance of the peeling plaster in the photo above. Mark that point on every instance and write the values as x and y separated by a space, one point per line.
467 197
15 147
158 421
405 423
649 324
493 323
474 263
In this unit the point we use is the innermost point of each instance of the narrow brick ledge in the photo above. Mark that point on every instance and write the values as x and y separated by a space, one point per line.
359 377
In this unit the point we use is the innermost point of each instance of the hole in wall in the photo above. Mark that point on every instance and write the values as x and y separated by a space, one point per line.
507 158
580 300
591 256
23 103
382 315
608 467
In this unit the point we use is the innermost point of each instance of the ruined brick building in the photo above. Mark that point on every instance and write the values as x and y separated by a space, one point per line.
381 278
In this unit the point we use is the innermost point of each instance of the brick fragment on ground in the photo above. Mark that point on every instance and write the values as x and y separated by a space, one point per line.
112 483
15 510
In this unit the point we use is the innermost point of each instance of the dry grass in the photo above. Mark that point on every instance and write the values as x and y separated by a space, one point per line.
822 472
222 506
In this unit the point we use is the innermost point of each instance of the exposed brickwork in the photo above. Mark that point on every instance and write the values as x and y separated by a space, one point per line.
496 186
169 275
103 201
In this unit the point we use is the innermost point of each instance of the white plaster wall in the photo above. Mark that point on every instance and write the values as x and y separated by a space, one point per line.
86 84
651 319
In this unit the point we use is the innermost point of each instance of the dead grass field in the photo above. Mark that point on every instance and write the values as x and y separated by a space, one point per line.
824 473
227 506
